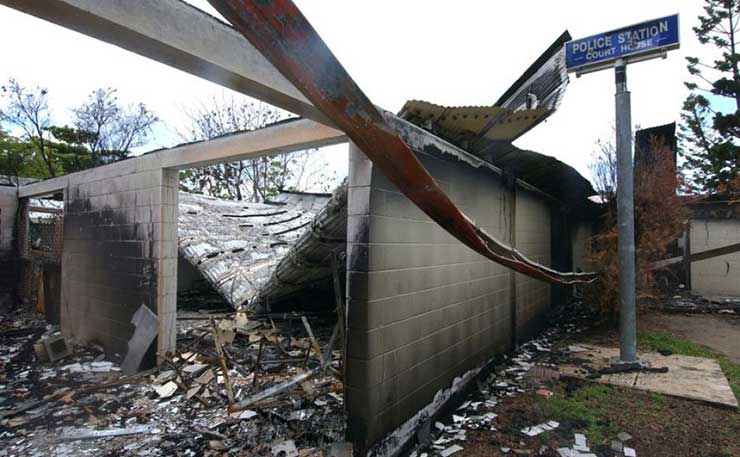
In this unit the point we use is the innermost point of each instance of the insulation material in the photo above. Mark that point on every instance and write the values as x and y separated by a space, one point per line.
530 100
466 126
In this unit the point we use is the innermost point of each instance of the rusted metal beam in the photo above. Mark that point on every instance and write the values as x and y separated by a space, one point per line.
285 37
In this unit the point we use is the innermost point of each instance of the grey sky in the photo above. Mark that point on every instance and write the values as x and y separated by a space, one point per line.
454 53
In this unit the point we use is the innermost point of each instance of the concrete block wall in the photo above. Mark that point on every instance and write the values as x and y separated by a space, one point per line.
8 259
717 276
423 308
533 239
120 251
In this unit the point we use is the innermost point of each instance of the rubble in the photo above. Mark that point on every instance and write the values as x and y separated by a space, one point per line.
86 405
688 302
530 369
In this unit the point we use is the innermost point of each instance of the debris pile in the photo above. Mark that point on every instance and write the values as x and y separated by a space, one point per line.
237 385
531 368
688 302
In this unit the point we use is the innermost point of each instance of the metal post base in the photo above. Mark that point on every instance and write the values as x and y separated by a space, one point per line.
618 365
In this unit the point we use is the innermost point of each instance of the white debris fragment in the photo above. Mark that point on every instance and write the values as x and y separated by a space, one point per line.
451 450
532 431
166 390
243 415
439 425
285 449
195 367
539 428
629 452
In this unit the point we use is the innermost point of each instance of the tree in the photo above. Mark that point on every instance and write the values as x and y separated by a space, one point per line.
660 218
70 149
103 130
28 110
109 130
14 155
710 136
254 179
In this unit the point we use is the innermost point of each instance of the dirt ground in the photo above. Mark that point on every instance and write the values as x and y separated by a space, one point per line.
719 333
660 426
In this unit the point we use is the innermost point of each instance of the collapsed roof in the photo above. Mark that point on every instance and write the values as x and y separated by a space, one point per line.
261 252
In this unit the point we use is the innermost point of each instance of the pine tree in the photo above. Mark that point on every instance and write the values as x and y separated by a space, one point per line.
709 136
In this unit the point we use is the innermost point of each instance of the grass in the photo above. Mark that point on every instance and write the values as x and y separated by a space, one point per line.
592 403
589 405
657 341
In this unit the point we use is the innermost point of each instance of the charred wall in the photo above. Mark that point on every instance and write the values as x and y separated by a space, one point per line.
8 258
422 308
120 238
534 231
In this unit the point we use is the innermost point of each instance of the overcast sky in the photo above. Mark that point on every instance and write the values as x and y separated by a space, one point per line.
464 52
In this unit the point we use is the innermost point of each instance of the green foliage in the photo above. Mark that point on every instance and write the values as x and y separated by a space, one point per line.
70 151
14 154
710 137
589 404
104 131
656 341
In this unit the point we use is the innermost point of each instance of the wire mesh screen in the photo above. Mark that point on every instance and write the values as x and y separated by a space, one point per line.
44 235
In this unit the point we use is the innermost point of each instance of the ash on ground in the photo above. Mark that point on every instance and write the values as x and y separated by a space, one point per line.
83 404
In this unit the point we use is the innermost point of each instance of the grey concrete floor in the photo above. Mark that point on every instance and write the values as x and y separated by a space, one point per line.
717 332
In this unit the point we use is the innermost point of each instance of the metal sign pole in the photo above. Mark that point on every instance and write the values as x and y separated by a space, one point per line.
625 218
615 49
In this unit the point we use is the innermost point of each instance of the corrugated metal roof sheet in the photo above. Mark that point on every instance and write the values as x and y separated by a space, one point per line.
240 246
529 101
488 132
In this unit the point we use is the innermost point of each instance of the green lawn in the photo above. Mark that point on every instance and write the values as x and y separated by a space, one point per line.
589 404
593 403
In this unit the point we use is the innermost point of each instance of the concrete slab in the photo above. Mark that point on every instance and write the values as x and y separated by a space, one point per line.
694 378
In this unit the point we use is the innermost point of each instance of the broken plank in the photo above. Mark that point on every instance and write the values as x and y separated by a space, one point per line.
95 434
698 256
274 390
222 361
314 343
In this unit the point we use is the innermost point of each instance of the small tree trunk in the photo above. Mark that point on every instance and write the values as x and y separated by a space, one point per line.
735 73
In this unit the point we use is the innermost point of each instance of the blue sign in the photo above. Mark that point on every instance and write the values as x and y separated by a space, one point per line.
634 43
